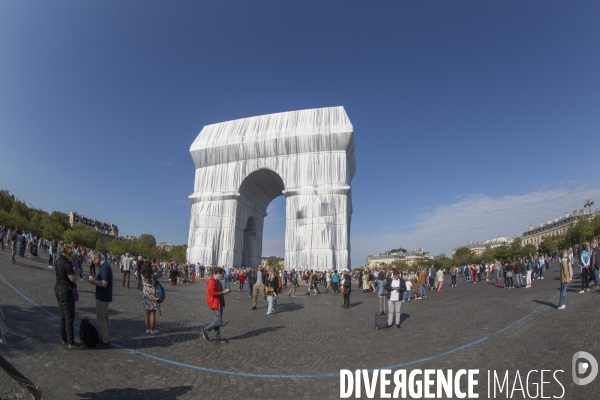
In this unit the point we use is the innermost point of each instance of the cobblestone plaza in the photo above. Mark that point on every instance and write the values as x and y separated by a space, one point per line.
295 353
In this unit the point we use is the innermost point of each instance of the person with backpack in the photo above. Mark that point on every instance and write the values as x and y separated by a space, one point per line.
65 290
104 283
149 276
215 299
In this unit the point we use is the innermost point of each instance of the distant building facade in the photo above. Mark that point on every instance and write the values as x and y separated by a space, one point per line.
107 231
382 260
559 226
479 247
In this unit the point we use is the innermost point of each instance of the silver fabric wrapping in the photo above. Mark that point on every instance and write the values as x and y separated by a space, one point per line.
242 165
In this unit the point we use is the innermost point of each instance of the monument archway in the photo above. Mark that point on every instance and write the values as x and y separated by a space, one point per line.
242 165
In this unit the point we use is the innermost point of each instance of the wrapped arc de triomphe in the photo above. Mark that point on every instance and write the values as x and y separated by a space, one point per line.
306 156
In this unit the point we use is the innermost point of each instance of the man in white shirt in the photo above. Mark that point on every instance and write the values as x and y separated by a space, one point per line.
126 264
395 287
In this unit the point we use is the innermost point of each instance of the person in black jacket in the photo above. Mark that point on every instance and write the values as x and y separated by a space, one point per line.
395 286
347 288
66 276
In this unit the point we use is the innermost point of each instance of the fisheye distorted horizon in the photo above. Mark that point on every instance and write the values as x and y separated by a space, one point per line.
471 120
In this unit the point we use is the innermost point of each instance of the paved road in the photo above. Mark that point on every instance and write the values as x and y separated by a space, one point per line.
310 336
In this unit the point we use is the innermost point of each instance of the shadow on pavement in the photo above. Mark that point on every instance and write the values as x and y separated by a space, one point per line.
256 332
358 303
130 393
289 307
545 303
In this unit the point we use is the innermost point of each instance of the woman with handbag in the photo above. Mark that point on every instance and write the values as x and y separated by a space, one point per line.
272 284
65 290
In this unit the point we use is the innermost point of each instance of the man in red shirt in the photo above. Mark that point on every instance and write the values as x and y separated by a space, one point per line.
215 298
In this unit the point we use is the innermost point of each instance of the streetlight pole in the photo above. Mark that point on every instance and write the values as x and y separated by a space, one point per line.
589 205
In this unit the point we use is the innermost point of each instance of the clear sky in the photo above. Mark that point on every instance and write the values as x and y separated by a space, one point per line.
472 119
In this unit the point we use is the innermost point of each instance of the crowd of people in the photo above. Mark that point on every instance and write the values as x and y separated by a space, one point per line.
269 283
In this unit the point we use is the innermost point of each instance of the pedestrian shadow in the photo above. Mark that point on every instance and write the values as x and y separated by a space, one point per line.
289 307
256 332
357 303
92 310
404 317
545 303
131 393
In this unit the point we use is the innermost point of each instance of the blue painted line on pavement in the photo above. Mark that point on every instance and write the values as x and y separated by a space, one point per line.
273 376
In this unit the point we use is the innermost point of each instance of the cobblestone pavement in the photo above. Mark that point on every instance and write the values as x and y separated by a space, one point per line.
309 336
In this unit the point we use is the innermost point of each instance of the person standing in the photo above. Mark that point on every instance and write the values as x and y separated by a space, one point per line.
395 287
104 283
215 299
127 264
565 278
595 263
453 272
529 272
13 242
250 281
421 284
227 277
518 270
335 281
259 277
272 285
346 289
584 262
66 276
294 284
149 276
138 266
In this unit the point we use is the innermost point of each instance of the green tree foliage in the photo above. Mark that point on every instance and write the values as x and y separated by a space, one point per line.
147 240
529 250
399 250
549 245
462 256
81 235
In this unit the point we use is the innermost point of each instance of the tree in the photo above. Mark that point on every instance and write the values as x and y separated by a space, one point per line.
147 239
398 250
548 245
81 235
462 256
528 250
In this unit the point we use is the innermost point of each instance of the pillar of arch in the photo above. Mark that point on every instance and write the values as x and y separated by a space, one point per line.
242 165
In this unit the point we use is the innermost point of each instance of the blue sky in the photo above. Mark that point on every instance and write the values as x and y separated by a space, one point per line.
471 119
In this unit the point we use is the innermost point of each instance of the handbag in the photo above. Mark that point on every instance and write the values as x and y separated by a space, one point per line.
75 293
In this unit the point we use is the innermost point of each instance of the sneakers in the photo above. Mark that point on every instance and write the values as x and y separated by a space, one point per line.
154 332
148 331
398 326
75 346
562 307
581 291
103 345
205 335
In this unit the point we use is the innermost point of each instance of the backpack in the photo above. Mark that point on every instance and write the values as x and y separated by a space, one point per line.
160 292
88 334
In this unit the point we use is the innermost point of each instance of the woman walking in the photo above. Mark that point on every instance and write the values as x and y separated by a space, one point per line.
65 289
439 276
242 279
149 276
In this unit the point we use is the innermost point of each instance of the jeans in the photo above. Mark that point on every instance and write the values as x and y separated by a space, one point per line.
542 271
422 291
453 279
271 304
66 312
126 275
347 299
216 324
407 295
241 285
379 287
596 277
227 282
250 286
563 291
519 277
394 308
93 269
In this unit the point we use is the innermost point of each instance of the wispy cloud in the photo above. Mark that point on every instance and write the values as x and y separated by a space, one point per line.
473 218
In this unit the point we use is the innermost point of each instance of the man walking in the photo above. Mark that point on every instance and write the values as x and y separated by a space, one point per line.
259 277
127 264
227 277
14 239
104 283
215 299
